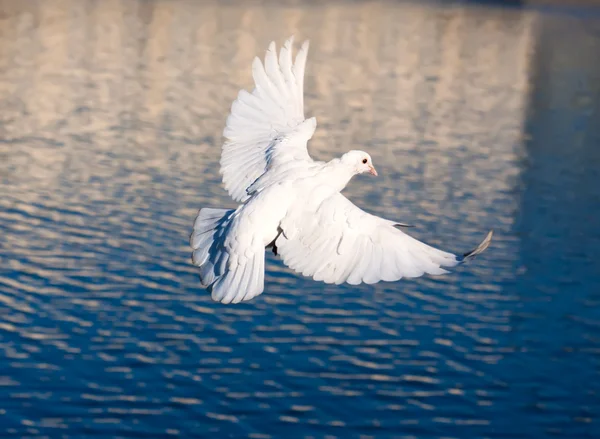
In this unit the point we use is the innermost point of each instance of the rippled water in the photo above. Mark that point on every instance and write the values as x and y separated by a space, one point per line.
476 117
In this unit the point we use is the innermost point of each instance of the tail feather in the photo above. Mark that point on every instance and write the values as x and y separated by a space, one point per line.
243 281
231 276
257 284
207 241
253 279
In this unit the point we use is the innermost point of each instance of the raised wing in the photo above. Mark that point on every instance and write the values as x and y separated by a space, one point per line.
267 127
338 242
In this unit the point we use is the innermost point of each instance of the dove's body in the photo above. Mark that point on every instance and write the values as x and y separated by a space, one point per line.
257 223
266 209
294 203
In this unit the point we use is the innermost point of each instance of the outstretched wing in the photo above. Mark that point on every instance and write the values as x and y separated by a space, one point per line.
266 127
338 242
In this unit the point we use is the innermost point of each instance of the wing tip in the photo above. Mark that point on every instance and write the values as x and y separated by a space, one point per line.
483 245
302 53
256 61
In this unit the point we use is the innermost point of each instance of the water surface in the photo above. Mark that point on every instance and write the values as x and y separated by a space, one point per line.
477 117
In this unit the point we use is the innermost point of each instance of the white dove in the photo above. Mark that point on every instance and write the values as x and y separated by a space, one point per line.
293 204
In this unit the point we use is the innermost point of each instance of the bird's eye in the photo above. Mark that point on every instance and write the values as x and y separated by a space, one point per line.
364 161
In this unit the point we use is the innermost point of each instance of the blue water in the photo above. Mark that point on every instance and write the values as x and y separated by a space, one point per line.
476 117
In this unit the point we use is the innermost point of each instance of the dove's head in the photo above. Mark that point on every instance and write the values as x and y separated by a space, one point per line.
360 161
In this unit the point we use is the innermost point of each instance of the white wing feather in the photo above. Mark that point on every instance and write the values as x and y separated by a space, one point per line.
338 242
266 127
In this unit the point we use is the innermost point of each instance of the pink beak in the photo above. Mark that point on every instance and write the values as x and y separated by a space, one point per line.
372 171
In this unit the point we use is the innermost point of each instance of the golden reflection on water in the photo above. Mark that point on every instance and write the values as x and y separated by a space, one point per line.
390 76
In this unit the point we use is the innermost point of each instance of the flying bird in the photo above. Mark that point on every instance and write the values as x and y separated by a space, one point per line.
293 204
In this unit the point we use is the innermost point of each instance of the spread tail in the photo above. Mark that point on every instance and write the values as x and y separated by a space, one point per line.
231 275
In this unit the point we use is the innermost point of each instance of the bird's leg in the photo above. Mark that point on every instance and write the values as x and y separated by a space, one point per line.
272 244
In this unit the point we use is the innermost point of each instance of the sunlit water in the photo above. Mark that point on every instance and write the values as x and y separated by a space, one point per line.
111 115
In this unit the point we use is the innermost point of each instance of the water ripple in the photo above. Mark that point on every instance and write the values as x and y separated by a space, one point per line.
111 116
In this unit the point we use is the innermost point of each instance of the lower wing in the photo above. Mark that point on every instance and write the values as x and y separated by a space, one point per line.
338 242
